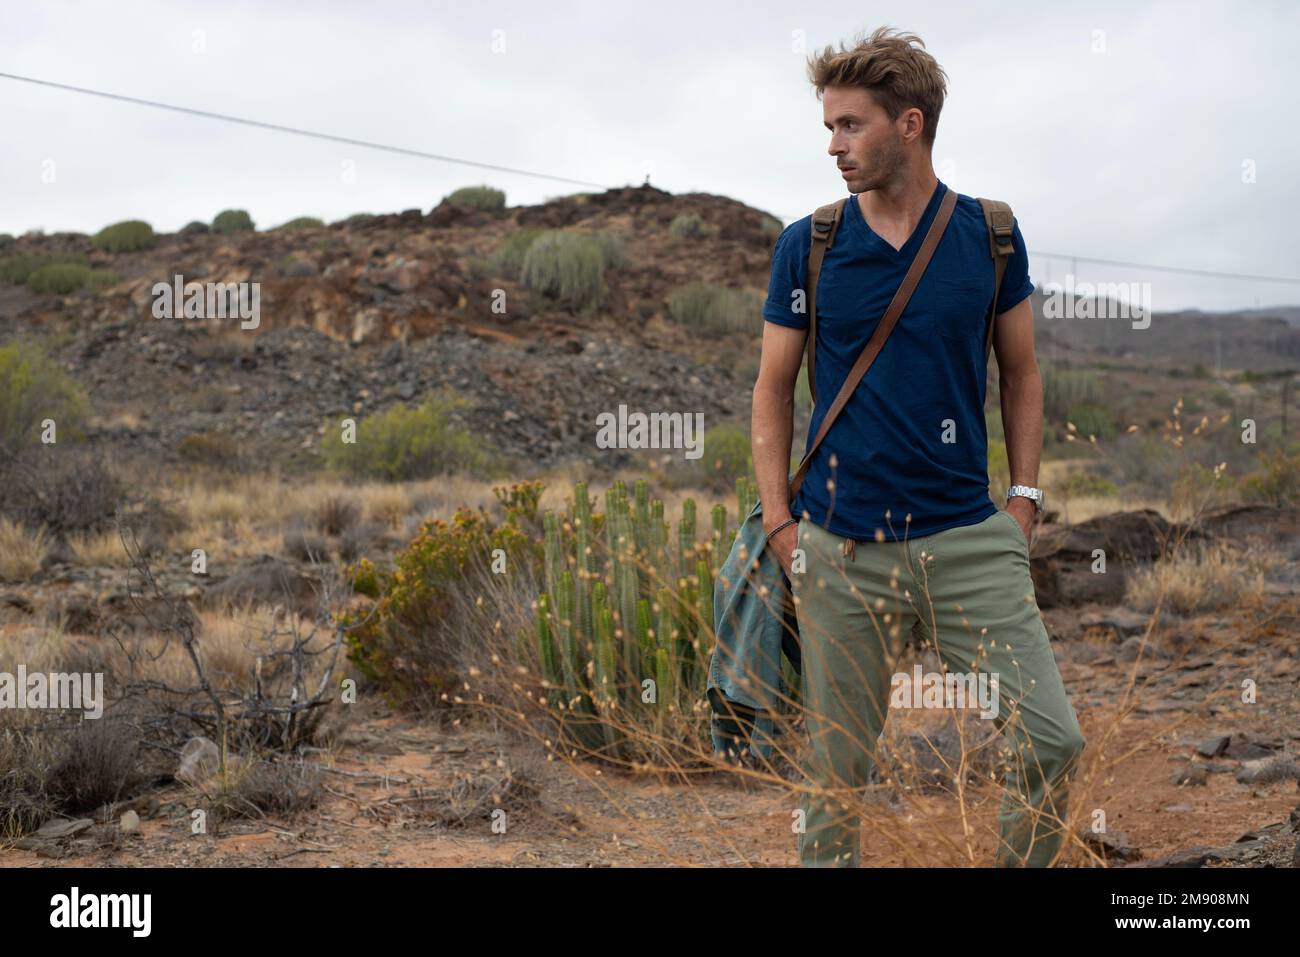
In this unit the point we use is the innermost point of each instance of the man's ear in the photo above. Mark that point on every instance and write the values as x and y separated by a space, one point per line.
913 121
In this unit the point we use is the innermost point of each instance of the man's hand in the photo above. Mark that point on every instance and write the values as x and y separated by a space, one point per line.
783 544
1022 510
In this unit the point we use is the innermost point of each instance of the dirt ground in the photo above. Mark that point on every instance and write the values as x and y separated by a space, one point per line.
388 767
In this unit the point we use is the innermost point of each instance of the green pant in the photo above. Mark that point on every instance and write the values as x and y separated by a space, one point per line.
970 589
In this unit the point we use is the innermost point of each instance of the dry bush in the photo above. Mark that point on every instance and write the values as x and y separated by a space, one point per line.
25 803
337 514
91 549
95 763
65 489
1216 576
252 787
21 550
304 546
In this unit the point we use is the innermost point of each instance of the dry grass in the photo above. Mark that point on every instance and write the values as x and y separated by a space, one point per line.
1220 575
229 644
98 548
21 550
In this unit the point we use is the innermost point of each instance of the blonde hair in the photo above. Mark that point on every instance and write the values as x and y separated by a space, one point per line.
899 74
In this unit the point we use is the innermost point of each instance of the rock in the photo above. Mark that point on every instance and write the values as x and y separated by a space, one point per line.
1136 646
1246 747
130 822
267 581
1213 746
1112 845
199 759
1123 621
1177 808
301 269
1188 857
1062 556
401 277
1279 767
1191 774
59 829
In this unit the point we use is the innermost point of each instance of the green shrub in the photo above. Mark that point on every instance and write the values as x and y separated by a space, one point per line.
478 197
16 269
566 265
302 222
125 237
715 310
6 239
1063 389
999 468
356 219
408 642
1277 480
63 278
727 457
508 258
33 388
1090 484
688 225
232 221
611 248
1092 419
195 228
410 443
771 227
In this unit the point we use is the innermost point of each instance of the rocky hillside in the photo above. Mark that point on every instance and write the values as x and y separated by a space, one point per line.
367 312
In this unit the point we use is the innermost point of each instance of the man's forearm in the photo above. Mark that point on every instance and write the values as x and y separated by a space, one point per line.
1021 396
772 430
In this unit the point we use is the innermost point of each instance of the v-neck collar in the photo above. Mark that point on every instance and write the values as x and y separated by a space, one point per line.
871 236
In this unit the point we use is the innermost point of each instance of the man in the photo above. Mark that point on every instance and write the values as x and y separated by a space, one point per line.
896 523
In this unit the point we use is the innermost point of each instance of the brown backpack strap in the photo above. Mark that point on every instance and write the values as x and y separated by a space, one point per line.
882 331
1000 222
825 223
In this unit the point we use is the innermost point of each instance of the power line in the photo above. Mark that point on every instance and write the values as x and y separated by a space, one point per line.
1122 262
301 132
226 118
1177 269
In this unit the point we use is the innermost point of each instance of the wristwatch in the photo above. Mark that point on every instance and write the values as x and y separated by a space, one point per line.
1029 492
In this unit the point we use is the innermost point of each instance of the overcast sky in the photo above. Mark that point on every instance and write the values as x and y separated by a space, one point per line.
1119 132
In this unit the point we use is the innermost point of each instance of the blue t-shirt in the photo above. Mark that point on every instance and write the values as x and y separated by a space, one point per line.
911 439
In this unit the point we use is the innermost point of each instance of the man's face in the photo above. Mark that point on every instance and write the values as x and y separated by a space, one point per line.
867 146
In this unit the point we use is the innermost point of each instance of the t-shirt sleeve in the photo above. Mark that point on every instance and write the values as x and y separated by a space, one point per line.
788 270
1016 284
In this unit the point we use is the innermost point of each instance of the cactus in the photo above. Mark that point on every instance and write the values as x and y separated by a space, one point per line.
565 601
703 644
605 684
686 538
553 551
641 525
585 560
621 605
719 544
546 648
746 496
645 640
666 659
